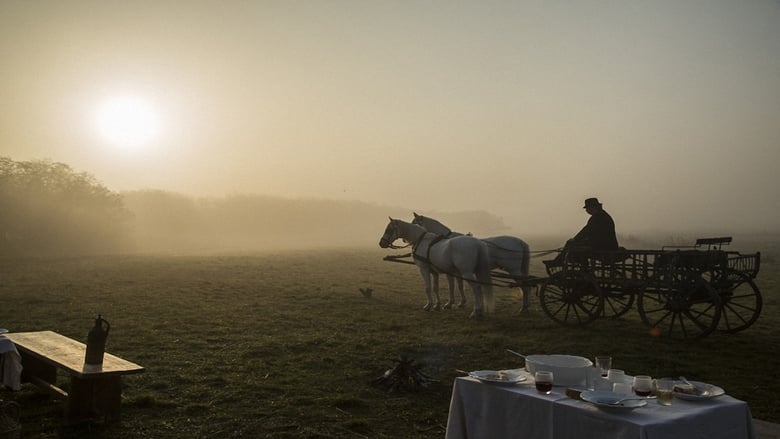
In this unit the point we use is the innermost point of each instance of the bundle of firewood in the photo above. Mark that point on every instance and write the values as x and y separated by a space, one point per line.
405 376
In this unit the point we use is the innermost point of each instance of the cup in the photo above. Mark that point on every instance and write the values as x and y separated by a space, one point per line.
544 381
616 376
663 392
592 378
622 388
643 385
604 363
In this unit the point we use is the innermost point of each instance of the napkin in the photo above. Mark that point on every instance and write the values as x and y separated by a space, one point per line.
10 364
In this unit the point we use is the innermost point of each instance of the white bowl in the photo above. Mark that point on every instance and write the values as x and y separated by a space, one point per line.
568 370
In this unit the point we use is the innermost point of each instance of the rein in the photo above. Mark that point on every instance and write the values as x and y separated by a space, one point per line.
450 234
540 253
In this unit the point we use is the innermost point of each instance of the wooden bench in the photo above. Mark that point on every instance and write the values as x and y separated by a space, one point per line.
95 391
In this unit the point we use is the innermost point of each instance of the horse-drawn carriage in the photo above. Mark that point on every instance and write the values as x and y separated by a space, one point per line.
681 291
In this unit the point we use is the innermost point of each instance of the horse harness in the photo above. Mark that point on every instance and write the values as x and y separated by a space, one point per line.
427 258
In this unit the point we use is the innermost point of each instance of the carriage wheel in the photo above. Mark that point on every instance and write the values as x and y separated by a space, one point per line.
690 310
571 299
741 301
616 301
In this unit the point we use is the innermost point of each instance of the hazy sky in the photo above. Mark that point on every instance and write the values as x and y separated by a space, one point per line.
668 111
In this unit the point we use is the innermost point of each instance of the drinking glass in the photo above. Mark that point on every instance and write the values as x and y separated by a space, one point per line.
643 385
664 389
616 376
622 388
604 363
544 381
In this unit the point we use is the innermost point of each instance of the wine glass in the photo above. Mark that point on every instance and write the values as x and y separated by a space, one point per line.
604 363
643 385
544 381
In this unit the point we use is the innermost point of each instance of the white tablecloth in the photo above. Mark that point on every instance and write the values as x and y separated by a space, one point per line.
479 410
10 364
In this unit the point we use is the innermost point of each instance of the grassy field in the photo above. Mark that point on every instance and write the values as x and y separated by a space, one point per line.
285 345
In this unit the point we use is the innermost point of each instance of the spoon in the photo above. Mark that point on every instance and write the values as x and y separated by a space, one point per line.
515 353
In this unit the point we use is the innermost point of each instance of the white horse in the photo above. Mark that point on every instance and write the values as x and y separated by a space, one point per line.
507 253
464 256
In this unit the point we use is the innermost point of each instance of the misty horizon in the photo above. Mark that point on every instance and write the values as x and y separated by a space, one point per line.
52 209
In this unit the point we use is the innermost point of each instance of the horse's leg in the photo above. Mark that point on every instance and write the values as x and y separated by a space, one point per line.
462 293
437 303
426 275
451 287
489 300
476 288
520 277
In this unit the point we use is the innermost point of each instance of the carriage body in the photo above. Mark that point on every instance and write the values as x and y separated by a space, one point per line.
685 292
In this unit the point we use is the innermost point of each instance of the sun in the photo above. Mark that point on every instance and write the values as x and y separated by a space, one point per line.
128 122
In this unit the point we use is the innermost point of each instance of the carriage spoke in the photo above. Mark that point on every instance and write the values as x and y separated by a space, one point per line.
675 321
683 314
571 300
657 323
742 302
580 307
561 307
617 304
734 320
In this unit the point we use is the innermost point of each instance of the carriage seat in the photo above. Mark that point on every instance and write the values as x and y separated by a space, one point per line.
612 257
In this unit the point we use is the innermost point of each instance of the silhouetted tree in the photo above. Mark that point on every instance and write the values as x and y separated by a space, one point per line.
47 208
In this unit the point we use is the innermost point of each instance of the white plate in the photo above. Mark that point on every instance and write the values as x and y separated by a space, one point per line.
605 400
709 391
505 377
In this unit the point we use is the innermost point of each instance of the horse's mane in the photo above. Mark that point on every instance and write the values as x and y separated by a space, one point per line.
430 223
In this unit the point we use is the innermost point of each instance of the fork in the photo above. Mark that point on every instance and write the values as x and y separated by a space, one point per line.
620 401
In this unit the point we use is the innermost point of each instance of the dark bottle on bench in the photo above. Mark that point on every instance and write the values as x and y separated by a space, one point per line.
96 341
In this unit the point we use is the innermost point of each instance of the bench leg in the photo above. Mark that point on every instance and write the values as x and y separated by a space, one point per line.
94 398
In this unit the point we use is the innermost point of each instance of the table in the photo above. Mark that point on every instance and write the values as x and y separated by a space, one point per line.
95 391
480 410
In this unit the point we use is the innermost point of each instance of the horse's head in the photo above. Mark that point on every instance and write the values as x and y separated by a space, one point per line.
418 219
390 235
431 225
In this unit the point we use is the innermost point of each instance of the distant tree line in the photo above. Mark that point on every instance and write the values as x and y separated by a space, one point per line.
46 208
165 221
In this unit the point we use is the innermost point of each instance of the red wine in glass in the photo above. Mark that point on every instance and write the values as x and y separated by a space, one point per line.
544 386
642 392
